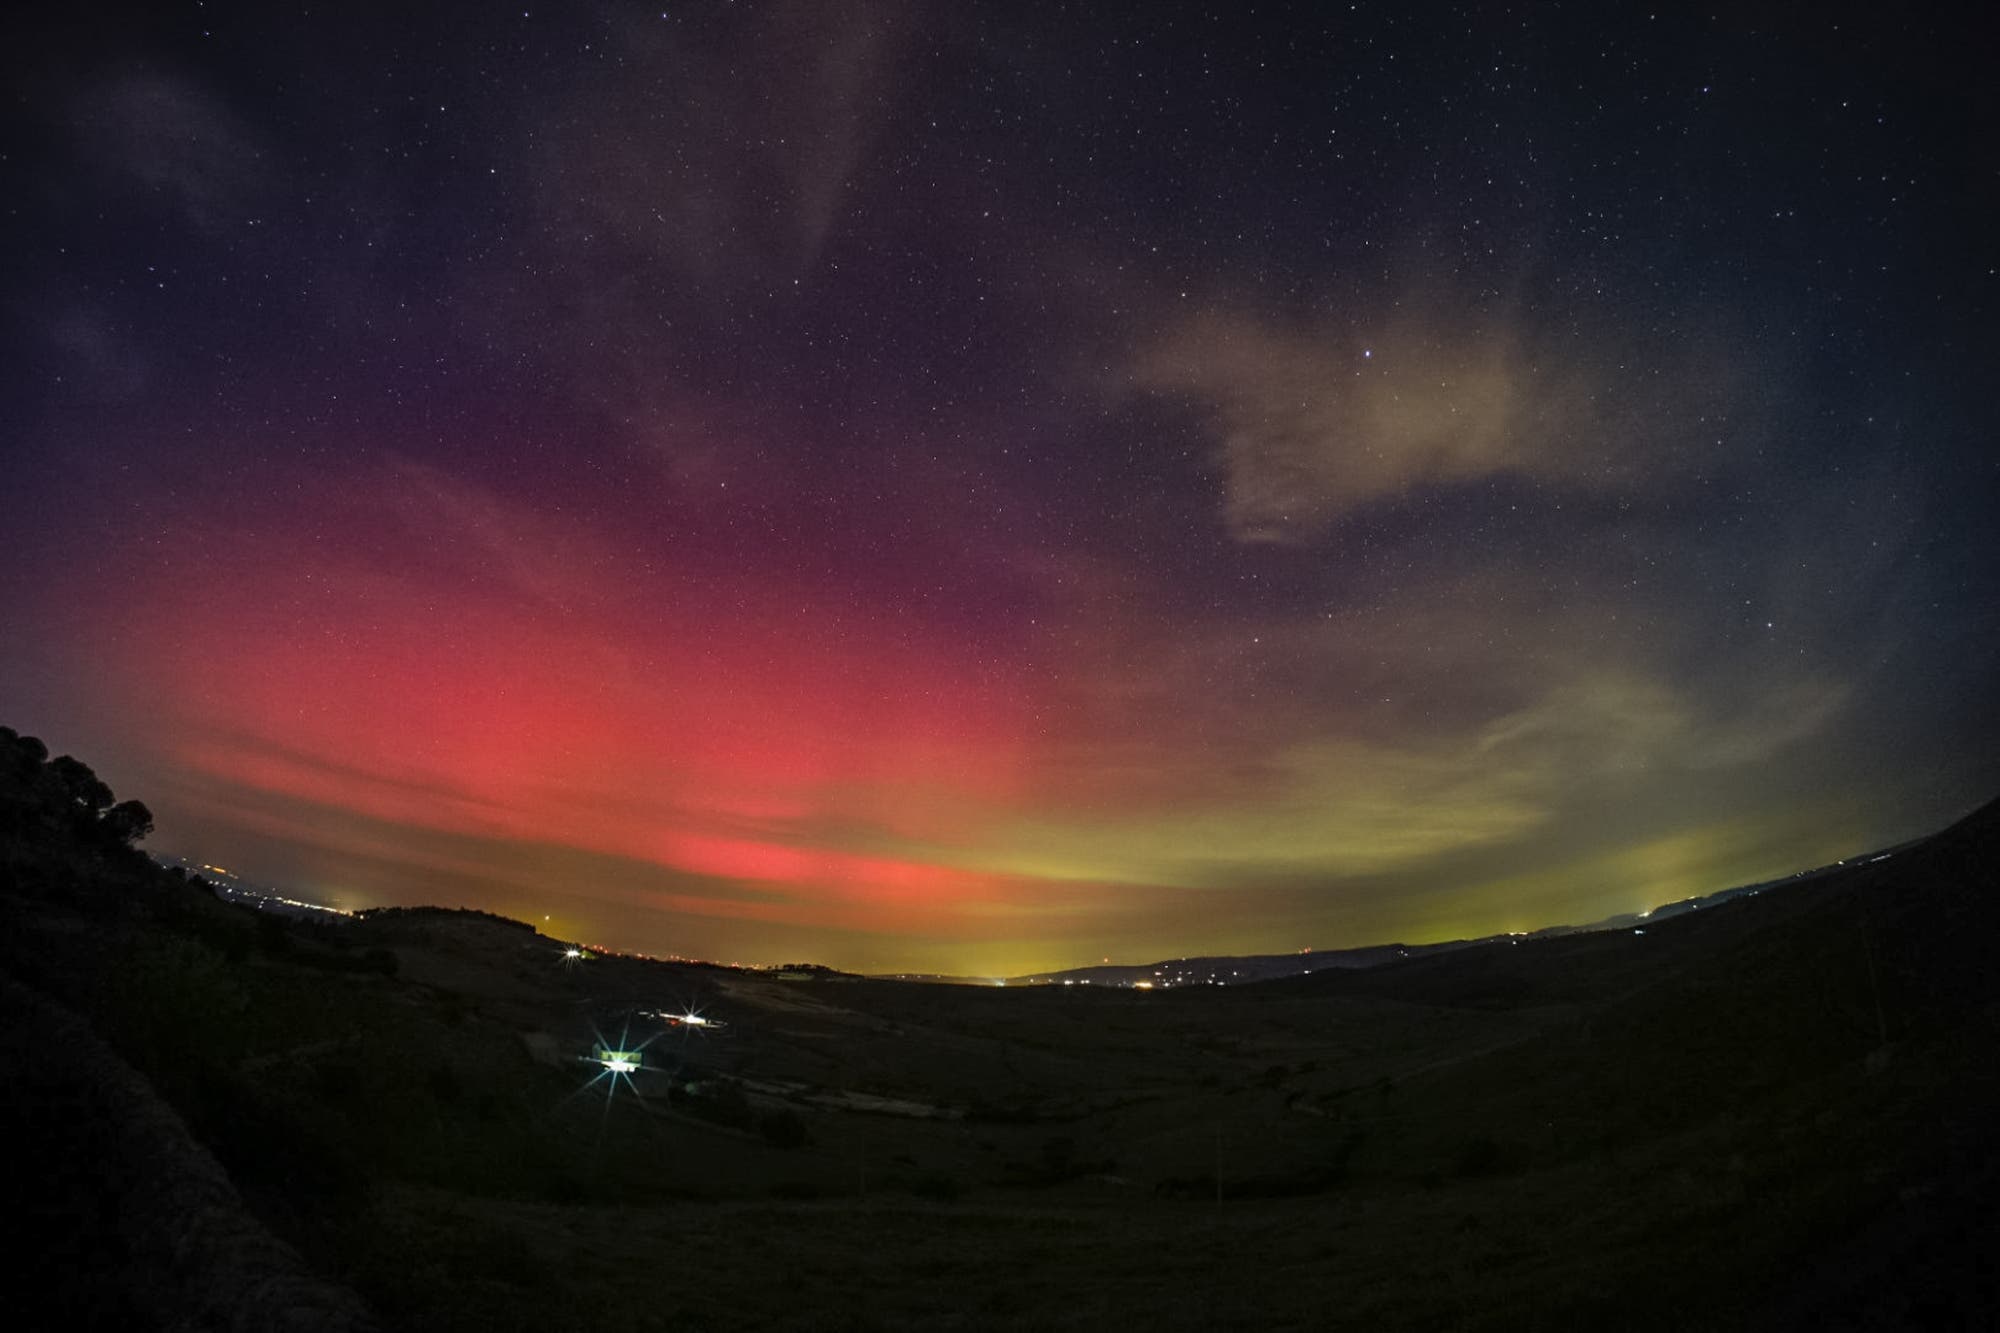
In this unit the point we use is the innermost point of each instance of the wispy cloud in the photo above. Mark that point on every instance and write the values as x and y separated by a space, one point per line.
170 137
1313 419
742 143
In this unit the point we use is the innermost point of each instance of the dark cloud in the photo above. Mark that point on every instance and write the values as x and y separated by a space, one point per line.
165 138
724 157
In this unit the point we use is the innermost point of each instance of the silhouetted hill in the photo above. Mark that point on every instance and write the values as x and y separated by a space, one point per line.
1924 905
1246 969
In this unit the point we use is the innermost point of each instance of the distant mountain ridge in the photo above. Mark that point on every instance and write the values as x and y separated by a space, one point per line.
1196 970
1237 970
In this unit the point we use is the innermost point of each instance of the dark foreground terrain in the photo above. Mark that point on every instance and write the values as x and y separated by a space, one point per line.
1775 1112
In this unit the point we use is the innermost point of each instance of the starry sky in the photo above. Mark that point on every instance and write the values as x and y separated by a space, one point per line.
986 488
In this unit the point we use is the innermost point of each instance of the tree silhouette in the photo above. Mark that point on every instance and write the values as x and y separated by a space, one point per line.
23 756
127 821
60 822
74 781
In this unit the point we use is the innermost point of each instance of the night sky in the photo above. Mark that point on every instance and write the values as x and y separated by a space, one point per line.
984 489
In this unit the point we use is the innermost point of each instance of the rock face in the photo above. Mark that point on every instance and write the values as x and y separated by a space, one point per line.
133 1223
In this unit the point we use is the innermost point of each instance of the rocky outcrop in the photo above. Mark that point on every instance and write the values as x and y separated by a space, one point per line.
130 1221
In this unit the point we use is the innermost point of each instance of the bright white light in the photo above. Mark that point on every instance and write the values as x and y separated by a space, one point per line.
572 953
694 1020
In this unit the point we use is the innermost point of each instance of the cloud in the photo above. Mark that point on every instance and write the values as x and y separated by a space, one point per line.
678 191
1606 725
1312 420
736 142
168 136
